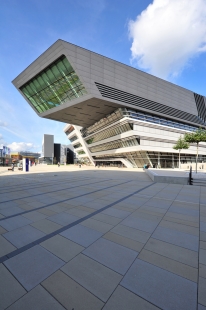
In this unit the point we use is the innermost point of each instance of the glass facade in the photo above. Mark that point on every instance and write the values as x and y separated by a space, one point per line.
76 146
53 86
110 132
128 142
73 139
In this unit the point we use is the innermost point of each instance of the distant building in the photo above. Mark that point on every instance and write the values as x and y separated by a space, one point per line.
55 152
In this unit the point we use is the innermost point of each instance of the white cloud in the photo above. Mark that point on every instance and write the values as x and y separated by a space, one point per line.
167 35
22 146
3 124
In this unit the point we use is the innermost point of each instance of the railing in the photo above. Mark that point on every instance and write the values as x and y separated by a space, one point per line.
190 181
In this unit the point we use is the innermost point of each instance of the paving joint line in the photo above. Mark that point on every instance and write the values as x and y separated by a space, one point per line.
41 185
51 204
52 191
60 230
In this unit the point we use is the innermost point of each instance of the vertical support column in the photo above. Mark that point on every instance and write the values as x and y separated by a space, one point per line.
159 160
172 161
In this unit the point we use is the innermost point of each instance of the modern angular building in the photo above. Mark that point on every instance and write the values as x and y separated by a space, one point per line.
116 114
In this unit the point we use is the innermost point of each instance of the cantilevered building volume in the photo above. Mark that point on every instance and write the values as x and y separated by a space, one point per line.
116 114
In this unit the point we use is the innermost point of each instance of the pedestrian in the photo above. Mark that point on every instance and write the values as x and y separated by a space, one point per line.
58 164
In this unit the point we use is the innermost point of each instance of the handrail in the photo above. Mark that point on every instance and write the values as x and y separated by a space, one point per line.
190 177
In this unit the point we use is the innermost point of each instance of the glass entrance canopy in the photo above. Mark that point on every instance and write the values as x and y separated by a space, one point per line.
53 86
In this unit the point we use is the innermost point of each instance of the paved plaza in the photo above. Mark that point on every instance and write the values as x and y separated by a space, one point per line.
91 239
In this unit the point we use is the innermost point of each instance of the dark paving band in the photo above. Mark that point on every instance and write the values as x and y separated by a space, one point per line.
54 191
40 240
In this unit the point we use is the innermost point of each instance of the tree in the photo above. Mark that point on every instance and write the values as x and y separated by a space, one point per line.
181 144
196 137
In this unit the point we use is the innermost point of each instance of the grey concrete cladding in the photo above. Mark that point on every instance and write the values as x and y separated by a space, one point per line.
92 67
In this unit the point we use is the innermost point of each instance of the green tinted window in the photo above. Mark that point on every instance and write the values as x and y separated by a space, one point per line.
55 85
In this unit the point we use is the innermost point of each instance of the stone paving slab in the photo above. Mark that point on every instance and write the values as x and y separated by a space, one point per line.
38 298
23 235
82 235
62 247
10 289
160 287
15 222
112 255
33 266
70 294
123 299
93 276
181 239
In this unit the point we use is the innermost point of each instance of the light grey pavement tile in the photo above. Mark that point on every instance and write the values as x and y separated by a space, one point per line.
203 236
180 227
131 233
36 204
159 203
107 219
82 235
8 204
77 212
63 218
202 271
97 204
140 223
70 294
46 212
26 207
152 210
2 230
62 247
97 225
185 205
116 213
36 299
171 251
184 210
5 246
181 221
202 256
184 217
147 216
10 289
95 277
202 226
1 216
33 266
179 238
201 307
203 245
201 291
46 226
127 208
23 235
122 299
11 211
15 222
57 208
168 264
160 287
87 209
112 255
128 243
35 216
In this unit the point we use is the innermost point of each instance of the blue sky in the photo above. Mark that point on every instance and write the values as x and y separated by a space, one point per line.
164 37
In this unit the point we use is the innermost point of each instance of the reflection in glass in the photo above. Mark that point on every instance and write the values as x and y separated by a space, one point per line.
53 86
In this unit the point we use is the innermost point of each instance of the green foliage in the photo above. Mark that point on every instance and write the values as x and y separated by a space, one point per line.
195 137
181 144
